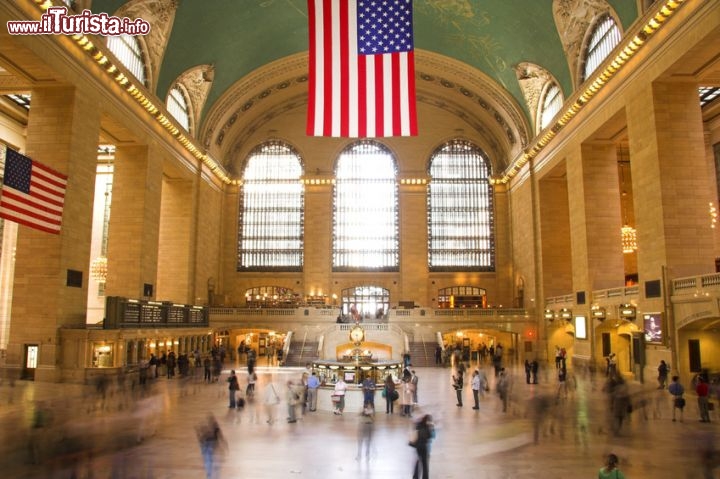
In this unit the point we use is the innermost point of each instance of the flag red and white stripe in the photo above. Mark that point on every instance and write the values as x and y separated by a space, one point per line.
32 194
354 94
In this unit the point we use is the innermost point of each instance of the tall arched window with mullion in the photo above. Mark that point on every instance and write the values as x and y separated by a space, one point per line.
552 101
271 210
126 48
604 38
365 227
460 210
178 107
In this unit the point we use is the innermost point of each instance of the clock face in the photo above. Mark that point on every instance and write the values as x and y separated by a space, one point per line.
357 334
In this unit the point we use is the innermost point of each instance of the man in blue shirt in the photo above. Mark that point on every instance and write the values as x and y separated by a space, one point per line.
313 383
676 390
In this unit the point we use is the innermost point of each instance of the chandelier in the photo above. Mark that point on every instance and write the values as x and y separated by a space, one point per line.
99 269
628 235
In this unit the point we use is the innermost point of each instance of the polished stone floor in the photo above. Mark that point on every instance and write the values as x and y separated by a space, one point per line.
154 435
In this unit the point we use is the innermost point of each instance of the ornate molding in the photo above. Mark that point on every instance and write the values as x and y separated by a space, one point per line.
572 20
532 79
468 84
161 15
197 82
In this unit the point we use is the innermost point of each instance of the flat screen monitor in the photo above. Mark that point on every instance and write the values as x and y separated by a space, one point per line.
580 327
652 324
349 377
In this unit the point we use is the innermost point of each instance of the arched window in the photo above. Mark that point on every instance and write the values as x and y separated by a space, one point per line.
365 236
365 302
605 36
271 210
462 297
177 105
271 297
460 225
126 48
552 100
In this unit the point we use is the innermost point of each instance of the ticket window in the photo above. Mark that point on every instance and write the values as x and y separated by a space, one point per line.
102 355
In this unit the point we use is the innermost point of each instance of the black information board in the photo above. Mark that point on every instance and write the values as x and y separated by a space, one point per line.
132 313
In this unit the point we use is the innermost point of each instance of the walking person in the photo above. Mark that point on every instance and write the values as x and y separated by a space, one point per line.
677 390
233 388
368 388
414 380
293 399
425 432
703 398
503 388
211 441
313 383
271 400
475 385
528 371
389 394
339 393
610 469
365 431
663 370
457 382
250 389
406 398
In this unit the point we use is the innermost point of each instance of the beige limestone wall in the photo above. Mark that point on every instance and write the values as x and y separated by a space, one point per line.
556 260
176 240
208 233
414 246
599 262
670 187
63 128
135 221
522 237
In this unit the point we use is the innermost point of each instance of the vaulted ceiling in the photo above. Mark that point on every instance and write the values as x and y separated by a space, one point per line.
465 50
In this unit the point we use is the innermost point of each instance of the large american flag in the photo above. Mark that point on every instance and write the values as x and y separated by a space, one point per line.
32 194
362 69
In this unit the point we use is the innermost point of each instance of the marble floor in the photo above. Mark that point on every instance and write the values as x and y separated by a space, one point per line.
154 436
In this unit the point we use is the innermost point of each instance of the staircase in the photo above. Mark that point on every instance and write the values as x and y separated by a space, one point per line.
422 354
300 354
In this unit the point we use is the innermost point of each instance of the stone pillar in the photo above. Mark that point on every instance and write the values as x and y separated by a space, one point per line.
134 222
175 242
671 186
555 262
412 202
595 219
317 269
62 133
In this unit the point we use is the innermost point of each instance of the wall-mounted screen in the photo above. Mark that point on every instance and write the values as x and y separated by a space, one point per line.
652 324
580 327
349 377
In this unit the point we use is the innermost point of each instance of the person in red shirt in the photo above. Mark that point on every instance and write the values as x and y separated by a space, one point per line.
703 391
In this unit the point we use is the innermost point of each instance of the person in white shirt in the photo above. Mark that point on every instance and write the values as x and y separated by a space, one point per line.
339 392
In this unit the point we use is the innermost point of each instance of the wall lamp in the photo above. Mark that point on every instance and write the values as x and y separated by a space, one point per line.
566 314
549 314
598 312
628 311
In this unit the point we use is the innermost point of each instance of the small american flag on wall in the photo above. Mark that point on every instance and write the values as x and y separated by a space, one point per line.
362 69
32 194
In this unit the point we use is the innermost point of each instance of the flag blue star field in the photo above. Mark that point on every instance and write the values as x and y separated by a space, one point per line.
362 69
32 194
